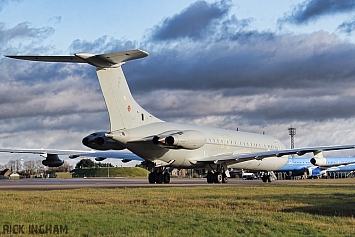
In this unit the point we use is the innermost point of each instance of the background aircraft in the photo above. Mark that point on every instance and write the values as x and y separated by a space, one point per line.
301 166
171 144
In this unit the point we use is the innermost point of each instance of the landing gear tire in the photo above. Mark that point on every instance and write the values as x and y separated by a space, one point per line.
166 179
210 177
159 178
152 177
224 178
266 178
217 178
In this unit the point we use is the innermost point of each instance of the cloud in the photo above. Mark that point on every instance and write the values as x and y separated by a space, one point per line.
347 27
285 61
260 78
55 20
23 38
24 30
194 22
49 86
5 2
101 45
312 10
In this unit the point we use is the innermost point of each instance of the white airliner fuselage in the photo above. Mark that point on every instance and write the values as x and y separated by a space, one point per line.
217 142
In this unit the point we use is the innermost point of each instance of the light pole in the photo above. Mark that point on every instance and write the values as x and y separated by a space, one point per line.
292 133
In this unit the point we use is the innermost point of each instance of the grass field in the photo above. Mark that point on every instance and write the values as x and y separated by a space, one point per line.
261 210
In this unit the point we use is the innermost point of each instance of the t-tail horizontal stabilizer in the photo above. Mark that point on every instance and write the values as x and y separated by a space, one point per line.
100 60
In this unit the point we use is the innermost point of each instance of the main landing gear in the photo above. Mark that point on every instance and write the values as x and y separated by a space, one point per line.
220 175
268 176
217 177
159 177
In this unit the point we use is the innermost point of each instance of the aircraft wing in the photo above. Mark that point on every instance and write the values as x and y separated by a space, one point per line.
41 151
124 155
231 158
325 167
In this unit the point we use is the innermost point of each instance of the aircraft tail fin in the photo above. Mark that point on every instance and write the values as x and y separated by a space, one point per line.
123 110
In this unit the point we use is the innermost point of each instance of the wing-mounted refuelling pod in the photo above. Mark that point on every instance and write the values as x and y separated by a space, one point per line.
100 158
52 160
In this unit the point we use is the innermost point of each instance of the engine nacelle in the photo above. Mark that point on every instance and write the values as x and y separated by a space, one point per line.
99 141
318 161
189 139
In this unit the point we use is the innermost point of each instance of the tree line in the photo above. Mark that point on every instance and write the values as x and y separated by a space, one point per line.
32 167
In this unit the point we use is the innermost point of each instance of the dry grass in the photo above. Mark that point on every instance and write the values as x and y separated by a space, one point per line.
275 210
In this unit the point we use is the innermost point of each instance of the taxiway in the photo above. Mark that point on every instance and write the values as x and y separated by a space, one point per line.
56 184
